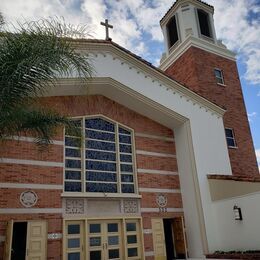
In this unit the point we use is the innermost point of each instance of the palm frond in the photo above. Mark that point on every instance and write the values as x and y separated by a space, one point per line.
35 56
41 123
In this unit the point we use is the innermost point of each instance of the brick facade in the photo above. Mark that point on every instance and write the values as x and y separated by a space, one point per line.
158 139
195 70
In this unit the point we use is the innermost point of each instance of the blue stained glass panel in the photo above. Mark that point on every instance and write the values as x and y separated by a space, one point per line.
100 135
132 252
128 188
125 139
130 226
72 152
101 176
103 166
101 187
113 254
73 163
125 148
73 256
126 168
125 158
98 145
100 124
73 186
127 178
123 131
95 255
72 175
73 229
100 155
71 141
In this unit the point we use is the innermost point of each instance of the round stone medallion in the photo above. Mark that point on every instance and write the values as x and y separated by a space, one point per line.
161 200
28 198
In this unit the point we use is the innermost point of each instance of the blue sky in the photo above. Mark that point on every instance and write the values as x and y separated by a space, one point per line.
136 27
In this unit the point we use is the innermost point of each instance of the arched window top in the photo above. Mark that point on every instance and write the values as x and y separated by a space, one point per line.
105 163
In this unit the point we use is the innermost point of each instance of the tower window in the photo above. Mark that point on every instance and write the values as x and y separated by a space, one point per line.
172 31
231 142
204 23
219 76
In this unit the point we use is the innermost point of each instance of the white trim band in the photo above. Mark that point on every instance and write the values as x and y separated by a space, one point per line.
168 155
163 138
31 186
149 253
32 140
157 172
156 210
31 210
159 190
32 162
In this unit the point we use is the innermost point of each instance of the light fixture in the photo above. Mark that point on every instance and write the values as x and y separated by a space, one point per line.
237 213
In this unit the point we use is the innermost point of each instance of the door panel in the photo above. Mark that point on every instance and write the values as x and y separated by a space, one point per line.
74 240
36 240
8 240
105 240
158 239
179 237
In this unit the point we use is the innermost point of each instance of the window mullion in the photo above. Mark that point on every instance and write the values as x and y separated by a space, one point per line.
84 156
118 158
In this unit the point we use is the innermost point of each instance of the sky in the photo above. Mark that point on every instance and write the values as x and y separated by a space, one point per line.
136 27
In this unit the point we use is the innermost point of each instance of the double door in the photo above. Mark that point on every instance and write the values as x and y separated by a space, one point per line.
101 241
105 240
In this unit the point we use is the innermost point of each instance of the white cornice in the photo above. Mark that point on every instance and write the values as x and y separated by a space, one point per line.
180 90
199 43
148 71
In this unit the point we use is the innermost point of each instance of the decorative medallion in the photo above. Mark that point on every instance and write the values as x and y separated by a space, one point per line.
161 200
28 198
130 206
74 206
53 236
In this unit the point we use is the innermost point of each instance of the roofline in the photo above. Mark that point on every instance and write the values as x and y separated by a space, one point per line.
178 2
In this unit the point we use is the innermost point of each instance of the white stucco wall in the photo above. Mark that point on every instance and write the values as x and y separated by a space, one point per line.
207 153
238 235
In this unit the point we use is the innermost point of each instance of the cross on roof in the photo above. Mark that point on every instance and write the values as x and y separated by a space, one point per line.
107 25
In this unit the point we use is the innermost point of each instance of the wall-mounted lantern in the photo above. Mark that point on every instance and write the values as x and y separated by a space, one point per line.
237 213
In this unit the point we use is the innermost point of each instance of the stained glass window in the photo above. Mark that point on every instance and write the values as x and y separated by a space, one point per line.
101 161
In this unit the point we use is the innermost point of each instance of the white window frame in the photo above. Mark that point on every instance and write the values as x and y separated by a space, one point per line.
232 138
222 83
83 192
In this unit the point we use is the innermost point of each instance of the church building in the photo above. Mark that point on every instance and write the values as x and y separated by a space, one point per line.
166 169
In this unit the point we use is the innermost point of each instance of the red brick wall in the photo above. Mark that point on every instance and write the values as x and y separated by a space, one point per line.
81 106
195 69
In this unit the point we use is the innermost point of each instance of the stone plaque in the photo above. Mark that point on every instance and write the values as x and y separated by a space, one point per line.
161 200
130 206
28 198
74 206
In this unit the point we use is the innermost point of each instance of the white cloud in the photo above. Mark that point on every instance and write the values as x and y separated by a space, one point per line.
239 33
132 19
257 152
251 116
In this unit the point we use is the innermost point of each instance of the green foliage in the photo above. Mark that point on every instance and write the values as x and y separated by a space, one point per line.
32 58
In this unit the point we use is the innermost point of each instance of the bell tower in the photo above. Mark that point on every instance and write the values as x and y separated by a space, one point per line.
197 59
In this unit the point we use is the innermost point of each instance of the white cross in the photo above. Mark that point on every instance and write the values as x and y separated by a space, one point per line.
107 25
